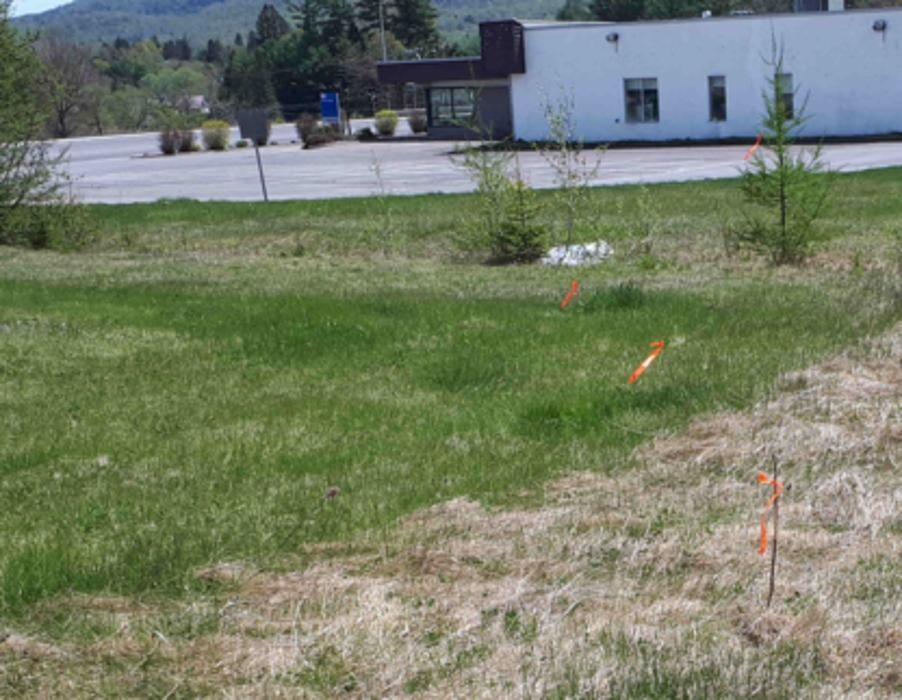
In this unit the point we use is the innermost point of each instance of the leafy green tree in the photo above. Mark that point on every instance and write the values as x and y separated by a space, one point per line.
271 26
301 67
127 65
361 89
172 87
248 80
130 109
33 208
788 190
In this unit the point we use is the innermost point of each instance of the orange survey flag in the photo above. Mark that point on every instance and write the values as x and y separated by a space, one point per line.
658 346
749 153
778 489
574 290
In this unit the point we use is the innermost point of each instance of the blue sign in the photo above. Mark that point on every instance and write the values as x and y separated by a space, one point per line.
329 108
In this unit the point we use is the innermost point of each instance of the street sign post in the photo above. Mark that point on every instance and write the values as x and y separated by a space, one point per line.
330 108
254 125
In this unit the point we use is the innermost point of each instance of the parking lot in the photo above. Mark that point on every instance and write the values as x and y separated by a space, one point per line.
129 168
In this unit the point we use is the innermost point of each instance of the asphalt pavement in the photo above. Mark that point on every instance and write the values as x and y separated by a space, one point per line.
130 168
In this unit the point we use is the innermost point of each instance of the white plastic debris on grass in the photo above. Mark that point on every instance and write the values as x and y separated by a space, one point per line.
578 254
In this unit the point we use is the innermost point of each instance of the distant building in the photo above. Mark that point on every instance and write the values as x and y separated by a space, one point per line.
194 103
692 79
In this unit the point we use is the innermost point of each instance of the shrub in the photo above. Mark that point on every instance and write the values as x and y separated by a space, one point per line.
365 134
520 237
216 134
417 122
34 208
187 142
321 135
305 124
386 122
59 225
242 143
170 141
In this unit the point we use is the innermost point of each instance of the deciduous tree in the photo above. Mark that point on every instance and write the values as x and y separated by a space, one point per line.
68 72
33 209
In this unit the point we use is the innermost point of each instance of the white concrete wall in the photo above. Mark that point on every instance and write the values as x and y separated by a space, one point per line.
852 74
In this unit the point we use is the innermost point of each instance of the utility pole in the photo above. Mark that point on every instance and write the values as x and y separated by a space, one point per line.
382 31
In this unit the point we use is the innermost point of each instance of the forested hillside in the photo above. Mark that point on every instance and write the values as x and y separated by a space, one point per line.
199 20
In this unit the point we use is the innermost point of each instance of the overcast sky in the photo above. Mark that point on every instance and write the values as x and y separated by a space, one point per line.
27 7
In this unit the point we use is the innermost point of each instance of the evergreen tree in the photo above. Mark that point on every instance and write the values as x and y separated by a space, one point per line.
252 41
414 25
618 10
789 189
214 53
247 80
327 22
239 40
574 11
368 14
178 50
271 25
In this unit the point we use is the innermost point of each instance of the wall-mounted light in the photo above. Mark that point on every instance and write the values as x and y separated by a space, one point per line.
613 37
879 25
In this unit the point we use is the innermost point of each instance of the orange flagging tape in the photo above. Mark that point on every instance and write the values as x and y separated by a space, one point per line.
574 290
749 153
658 346
778 489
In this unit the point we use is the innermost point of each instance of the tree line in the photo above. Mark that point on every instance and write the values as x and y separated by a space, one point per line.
282 63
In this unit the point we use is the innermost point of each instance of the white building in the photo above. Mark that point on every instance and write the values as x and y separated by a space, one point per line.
692 79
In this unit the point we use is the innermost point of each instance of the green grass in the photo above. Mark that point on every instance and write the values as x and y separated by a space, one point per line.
187 392
688 213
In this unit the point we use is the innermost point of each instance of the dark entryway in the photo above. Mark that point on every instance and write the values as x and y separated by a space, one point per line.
469 112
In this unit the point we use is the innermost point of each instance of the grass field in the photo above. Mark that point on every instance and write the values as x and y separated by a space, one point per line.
187 391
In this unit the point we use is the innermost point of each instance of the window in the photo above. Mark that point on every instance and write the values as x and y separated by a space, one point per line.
451 106
717 98
641 99
783 92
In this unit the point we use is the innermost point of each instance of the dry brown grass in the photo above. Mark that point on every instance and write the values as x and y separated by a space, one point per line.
641 582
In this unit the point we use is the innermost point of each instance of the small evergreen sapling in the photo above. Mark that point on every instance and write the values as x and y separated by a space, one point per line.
521 236
788 189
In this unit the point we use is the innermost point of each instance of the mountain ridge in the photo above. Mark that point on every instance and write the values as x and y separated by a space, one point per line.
93 21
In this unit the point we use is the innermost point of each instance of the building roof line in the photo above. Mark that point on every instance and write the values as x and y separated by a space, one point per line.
545 25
